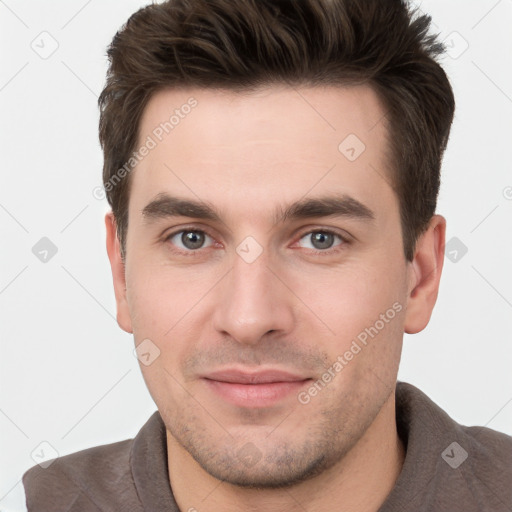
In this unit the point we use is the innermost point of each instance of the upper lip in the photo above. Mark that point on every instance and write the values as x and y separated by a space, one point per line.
255 377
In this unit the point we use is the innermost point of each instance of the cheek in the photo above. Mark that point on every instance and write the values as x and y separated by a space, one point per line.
160 302
159 296
350 302
348 296
167 307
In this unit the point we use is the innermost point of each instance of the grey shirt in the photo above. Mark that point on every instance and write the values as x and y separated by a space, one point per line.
447 468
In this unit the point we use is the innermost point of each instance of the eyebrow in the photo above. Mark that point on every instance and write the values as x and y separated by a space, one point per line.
166 206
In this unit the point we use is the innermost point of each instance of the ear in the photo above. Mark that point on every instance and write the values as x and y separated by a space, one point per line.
118 273
424 275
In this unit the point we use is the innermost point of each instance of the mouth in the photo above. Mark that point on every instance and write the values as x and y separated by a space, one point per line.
263 388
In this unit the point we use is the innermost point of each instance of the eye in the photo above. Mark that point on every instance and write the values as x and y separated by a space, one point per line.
321 240
190 239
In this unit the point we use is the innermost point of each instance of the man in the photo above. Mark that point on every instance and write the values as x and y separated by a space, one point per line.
273 169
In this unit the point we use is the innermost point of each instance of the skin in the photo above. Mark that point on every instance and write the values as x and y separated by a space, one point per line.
292 308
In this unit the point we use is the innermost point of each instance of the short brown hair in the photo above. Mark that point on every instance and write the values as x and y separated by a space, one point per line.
241 45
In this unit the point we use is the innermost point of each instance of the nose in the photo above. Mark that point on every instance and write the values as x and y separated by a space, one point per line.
253 302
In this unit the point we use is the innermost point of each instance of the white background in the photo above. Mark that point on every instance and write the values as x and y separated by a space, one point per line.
68 374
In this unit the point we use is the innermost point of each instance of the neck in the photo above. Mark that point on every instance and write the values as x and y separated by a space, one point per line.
360 482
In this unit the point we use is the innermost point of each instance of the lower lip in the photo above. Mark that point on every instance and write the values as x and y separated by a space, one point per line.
255 395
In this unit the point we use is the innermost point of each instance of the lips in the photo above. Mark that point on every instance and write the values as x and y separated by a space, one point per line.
263 388
260 377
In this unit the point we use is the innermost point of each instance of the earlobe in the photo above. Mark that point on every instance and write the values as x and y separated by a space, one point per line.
424 275
118 273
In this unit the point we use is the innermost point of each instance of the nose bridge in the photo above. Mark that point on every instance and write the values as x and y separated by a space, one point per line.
252 301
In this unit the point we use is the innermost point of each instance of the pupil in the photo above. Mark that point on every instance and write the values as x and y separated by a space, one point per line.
192 239
322 240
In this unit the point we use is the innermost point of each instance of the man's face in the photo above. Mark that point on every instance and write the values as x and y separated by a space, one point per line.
251 309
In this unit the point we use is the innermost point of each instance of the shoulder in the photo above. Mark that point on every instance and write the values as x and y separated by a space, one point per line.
466 467
85 480
480 460
491 442
490 457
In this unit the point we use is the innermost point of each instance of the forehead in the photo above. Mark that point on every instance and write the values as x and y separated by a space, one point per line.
273 144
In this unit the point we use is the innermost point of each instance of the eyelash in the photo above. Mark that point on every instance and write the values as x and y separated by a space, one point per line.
317 252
